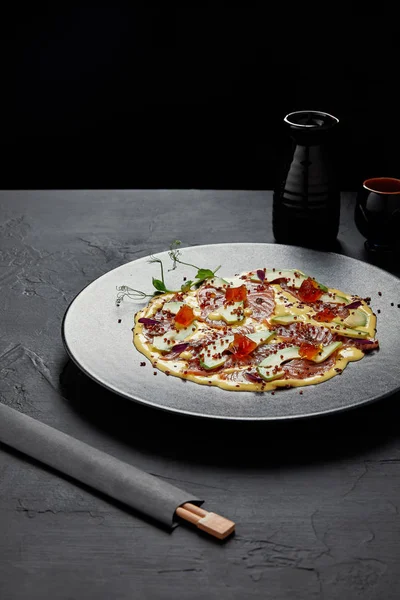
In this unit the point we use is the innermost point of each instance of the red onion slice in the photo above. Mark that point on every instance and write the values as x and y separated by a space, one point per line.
261 275
147 321
253 377
175 351
180 347
354 304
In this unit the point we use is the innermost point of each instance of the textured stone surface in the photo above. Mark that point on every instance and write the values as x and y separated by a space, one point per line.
316 503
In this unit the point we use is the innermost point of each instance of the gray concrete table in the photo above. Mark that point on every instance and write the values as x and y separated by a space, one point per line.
316 502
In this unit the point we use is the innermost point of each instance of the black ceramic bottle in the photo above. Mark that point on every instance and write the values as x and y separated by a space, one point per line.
306 205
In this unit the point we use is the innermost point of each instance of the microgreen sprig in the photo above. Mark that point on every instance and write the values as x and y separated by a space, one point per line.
124 291
159 284
201 275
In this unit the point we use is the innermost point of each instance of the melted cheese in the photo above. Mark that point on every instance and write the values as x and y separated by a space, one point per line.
285 304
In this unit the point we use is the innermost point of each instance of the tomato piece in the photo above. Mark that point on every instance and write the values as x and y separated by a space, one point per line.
309 291
242 345
236 294
327 314
184 316
308 350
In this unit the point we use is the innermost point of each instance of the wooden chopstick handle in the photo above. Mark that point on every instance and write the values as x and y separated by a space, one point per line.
187 515
197 510
211 523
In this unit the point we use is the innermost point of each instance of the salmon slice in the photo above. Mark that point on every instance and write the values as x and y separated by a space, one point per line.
305 332
209 299
239 376
301 368
261 299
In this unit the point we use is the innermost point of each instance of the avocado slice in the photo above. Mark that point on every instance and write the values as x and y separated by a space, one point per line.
356 318
334 299
334 326
234 281
182 334
217 282
287 319
211 356
173 307
261 337
164 342
160 342
230 313
326 352
266 369
343 330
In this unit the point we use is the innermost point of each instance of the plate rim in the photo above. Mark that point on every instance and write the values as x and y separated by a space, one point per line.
187 413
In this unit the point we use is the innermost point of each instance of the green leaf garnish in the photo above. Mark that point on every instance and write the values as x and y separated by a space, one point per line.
204 274
160 285
186 286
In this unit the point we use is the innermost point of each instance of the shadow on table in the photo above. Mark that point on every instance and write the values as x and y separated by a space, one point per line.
207 441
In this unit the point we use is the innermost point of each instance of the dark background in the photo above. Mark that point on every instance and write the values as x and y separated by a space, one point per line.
192 95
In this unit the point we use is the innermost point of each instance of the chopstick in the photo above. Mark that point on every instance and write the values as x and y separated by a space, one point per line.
211 523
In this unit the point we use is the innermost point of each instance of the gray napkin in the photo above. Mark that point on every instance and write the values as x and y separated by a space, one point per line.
141 491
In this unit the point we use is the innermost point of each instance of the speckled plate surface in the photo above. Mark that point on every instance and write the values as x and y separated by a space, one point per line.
102 347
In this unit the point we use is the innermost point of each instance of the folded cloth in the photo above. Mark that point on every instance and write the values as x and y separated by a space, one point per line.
99 470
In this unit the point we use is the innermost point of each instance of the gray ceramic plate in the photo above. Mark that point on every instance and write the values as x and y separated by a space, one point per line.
102 347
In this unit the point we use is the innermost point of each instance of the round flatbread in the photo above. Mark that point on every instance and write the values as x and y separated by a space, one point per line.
259 331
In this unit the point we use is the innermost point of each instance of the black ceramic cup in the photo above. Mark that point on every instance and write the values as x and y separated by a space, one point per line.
377 213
